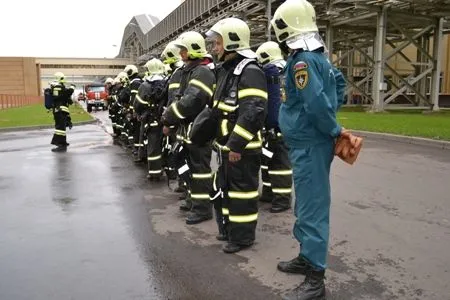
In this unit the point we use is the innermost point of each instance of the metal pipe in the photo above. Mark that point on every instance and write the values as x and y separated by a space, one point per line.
437 55
378 76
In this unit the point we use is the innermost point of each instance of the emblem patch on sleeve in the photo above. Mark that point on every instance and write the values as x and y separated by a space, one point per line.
301 79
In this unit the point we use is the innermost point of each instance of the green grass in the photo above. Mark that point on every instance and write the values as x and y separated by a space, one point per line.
403 122
36 115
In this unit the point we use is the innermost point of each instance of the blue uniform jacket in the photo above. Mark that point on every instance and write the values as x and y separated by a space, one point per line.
274 95
314 92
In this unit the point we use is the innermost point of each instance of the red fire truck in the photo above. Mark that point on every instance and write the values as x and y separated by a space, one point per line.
96 96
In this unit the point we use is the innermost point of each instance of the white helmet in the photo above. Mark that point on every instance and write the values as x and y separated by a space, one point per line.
109 80
269 52
194 43
235 34
292 18
171 54
116 81
155 66
59 77
131 70
123 77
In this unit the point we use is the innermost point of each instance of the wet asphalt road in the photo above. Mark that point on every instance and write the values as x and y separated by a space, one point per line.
87 225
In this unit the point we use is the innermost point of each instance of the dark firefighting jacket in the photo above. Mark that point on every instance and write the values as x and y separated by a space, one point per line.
150 98
242 100
135 83
195 91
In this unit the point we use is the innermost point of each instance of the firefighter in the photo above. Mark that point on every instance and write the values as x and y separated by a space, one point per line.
135 124
309 126
241 93
147 105
275 167
123 101
196 90
61 96
171 57
114 109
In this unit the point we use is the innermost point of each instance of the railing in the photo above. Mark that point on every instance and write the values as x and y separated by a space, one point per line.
9 101
187 12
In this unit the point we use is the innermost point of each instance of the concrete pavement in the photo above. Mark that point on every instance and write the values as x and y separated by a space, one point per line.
85 224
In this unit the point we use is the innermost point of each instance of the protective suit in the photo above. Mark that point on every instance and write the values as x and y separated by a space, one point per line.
61 101
196 90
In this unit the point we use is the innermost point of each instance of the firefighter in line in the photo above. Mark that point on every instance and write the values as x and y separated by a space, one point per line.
171 57
275 167
114 109
135 124
309 126
242 94
195 92
123 101
147 105
61 98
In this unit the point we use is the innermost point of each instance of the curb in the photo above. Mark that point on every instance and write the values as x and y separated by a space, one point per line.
404 139
28 128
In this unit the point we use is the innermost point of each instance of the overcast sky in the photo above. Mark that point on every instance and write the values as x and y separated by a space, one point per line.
81 28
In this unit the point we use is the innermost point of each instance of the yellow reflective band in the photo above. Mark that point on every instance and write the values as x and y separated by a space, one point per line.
200 196
259 136
154 157
225 107
131 107
225 211
281 172
264 167
174 86
267 183
177 112
252 92
60 132
155 172
180 137
134 91
214 181
282 191
250 146
202 86
202 175
130 137
243 132
224 127
243 195
187 141
214 86
140 100
243 219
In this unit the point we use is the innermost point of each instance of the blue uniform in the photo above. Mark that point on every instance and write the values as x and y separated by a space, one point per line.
314 91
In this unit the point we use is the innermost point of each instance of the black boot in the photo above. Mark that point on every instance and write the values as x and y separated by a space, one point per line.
233 247
60 149
194 218
296 265
180 189
312 288
277 208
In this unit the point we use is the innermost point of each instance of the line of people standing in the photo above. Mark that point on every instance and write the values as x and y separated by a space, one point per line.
255 111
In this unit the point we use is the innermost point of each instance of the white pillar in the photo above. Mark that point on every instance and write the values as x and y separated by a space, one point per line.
437 56
378 76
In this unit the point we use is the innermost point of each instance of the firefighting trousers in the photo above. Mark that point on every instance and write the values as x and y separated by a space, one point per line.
239 208
140 146
200 184
276 174
311 166
137 142
113 115
59 136
154 150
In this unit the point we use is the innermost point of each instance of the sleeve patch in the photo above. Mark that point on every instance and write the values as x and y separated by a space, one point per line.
301 65
301 79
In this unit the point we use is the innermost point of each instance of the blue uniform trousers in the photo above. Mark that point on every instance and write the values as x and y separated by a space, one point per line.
311 174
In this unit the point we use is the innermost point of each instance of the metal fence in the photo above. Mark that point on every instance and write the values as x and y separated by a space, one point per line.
10 101
186 13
